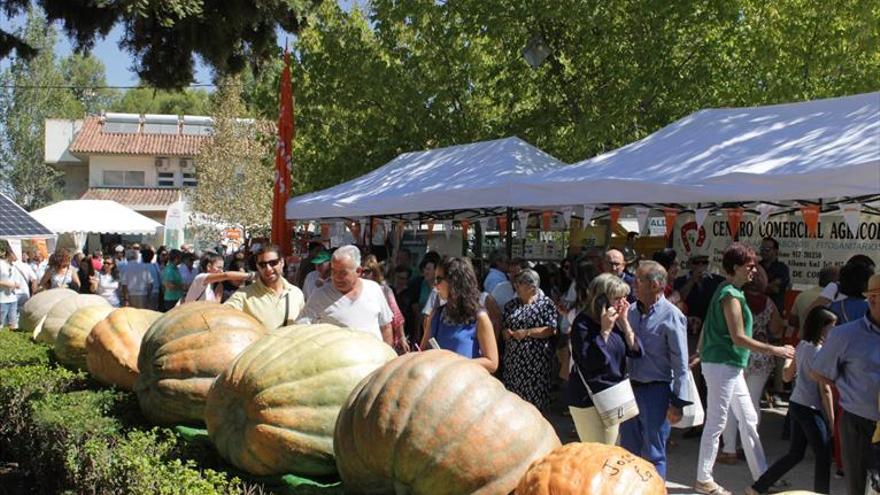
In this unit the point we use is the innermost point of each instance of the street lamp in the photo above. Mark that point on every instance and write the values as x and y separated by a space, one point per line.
536 51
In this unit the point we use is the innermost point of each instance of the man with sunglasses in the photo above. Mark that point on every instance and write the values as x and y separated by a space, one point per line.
272 300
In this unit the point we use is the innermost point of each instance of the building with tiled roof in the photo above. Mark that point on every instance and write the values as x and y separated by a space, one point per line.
141 161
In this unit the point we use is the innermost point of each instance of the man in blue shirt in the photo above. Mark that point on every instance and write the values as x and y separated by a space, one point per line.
497 269
659 377
850 359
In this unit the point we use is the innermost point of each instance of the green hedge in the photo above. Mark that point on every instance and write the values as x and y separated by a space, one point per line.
69 435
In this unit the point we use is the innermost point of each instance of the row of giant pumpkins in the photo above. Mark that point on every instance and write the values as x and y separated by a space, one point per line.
319 399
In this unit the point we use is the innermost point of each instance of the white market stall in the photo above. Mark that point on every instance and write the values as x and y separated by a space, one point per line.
811 150
465 177
80 217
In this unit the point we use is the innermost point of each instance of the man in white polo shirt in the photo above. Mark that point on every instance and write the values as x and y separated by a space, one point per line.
350 301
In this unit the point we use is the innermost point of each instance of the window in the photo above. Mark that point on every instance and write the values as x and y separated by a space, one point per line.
166 179
124 178
189 180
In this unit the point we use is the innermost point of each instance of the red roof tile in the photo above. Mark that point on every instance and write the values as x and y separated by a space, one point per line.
134 196
92 139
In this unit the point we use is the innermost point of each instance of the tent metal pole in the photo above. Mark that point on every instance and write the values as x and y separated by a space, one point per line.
509 234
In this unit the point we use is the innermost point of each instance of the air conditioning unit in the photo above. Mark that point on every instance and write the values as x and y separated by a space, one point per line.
187 165
163 164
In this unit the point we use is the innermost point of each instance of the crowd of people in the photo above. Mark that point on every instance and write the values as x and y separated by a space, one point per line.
597 320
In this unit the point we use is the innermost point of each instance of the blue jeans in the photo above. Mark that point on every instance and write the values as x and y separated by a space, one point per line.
9 314
808 428
646 434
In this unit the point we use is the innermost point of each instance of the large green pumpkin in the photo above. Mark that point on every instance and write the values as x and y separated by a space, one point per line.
61 311
37 307
113 345
274 409
181 355
437 423
70 346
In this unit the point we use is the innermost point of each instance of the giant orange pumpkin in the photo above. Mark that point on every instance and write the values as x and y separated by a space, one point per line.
61 311
181 355
70 346
591 469
37 307
113 345
437 423
274 409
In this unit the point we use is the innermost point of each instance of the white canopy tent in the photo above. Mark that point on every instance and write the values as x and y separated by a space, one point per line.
469 176
80 217
817 149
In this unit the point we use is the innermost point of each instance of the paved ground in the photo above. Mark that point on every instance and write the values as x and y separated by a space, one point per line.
682 462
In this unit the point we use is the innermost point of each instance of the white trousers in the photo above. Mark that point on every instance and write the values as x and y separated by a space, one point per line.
755 382
727 391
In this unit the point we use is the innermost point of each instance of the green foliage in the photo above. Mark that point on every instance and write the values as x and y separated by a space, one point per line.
163 35
16 349
146 100
415 74
67 436
31 91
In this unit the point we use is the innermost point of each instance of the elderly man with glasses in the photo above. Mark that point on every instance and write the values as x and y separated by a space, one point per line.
272 300
659 377
349 300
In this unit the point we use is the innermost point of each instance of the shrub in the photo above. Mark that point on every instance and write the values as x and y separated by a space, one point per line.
16 349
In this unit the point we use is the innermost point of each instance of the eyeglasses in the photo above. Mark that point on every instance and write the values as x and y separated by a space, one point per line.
700 262
272 263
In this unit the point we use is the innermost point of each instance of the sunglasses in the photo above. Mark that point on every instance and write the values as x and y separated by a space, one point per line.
700 262
367 271
438 279
108 263
272 263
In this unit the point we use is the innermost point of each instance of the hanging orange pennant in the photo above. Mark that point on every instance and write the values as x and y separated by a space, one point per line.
734 217
430 230
325 231
546 220
614 215
465 224
671 215
811 219
502 224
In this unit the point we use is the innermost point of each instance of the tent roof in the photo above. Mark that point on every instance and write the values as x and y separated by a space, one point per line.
94 216
16 223
815 149
468 176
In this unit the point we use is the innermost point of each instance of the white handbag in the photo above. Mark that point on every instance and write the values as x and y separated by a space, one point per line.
692 415
615 404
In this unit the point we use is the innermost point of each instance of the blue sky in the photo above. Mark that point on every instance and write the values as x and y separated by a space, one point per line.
118 63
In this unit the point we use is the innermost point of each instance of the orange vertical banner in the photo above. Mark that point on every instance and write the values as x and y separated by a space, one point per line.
546 220
502 224
811 219
465 225
614 215
671 215
283 156
734 217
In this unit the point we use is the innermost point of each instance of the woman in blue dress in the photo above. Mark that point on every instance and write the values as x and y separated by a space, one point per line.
462 325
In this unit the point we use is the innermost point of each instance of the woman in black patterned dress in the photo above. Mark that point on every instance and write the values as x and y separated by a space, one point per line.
529 328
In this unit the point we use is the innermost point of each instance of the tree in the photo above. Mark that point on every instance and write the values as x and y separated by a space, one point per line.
32 91
235 170
416 74
163 35
146 100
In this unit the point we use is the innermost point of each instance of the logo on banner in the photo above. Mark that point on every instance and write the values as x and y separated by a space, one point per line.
690 233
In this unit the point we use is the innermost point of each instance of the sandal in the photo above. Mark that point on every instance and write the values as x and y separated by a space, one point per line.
710 488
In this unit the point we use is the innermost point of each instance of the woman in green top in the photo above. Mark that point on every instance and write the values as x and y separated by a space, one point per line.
724 354
172 281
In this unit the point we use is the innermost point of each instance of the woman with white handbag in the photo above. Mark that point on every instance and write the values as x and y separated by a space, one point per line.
599 394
